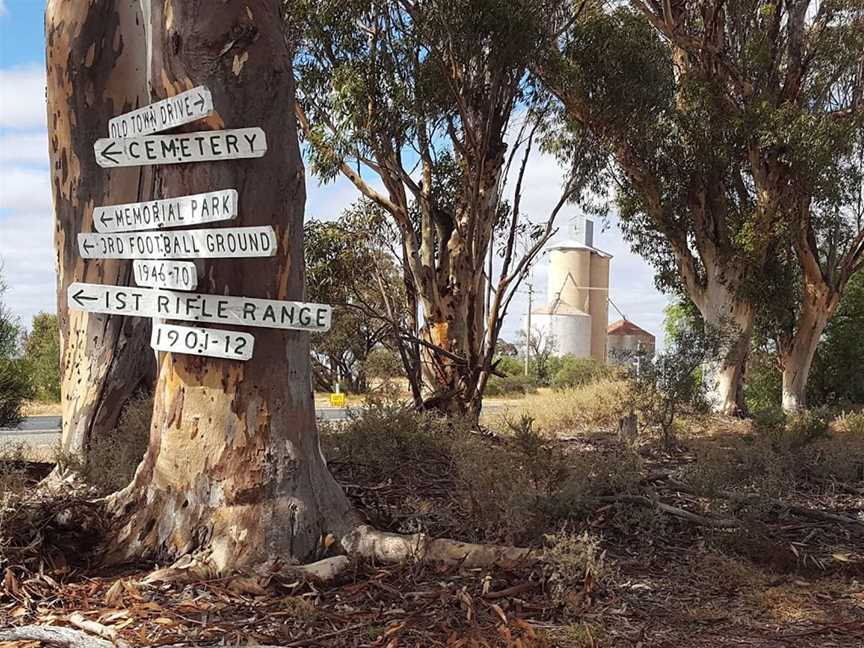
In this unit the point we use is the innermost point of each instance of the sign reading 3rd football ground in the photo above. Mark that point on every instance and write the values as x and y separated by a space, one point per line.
173 275
183 244
170 212
205 146
197 307
215 343
174 111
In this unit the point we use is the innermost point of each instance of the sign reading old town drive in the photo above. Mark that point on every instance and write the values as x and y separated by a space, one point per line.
200 341
170 212
184 244
197 307
183 147
174 111
136 231
174 275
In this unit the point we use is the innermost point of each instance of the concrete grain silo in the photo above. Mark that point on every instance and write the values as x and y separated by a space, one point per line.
576 314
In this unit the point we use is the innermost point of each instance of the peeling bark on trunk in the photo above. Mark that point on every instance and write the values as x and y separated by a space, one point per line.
95 70
733 317
796 354
234 472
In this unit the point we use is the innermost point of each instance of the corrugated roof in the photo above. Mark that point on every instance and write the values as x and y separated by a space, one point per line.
571 244
626 327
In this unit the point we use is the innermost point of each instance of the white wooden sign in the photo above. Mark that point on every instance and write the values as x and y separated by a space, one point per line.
215 343
203 146
173 275
181 211
174 111
184 244
197 307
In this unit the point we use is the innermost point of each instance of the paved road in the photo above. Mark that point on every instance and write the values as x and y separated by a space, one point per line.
44 431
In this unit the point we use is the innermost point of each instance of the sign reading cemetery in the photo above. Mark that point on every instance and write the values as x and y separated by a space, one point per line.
173 275
202 341
184 244
171 212
197 307
203 146
174 111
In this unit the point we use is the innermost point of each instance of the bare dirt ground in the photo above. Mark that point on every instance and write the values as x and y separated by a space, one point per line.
680 565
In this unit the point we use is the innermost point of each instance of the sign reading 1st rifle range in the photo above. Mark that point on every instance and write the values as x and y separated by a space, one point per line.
134 231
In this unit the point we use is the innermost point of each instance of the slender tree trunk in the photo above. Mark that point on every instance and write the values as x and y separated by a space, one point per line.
234 472
796 357
95 70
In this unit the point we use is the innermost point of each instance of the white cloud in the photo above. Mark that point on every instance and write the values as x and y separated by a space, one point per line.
24 189
4 10
27 258
26 148
22 99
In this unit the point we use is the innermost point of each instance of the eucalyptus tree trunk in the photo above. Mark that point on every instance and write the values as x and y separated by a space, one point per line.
95 70
233 473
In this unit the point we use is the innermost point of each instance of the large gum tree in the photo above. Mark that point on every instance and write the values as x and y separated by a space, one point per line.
96 68
655 120
233 478
420 105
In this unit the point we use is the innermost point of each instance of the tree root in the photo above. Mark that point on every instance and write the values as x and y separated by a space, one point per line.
56 636
365 542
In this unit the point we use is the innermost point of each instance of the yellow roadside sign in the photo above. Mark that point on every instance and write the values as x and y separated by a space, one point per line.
337 400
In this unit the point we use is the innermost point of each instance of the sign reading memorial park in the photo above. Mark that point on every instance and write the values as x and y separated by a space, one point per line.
171 212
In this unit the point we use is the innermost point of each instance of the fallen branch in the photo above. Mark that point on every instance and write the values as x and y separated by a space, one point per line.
54 636
79 621
721 523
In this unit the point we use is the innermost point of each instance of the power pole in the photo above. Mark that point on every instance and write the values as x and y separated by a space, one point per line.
528 327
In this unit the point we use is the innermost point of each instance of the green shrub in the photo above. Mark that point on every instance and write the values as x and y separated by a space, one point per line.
790 432
763 389
577 372
15 388
42 357
510 385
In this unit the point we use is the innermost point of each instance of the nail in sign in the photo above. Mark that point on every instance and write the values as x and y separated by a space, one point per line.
197 307
184 244
173 275
203 146
181 211
193 340
174 111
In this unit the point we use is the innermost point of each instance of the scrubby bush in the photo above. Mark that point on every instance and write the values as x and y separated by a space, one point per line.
599 404
15 388
517 385
764 385
792 431
42 357
576 372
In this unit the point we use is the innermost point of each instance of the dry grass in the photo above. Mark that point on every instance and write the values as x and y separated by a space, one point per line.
41 408
599 404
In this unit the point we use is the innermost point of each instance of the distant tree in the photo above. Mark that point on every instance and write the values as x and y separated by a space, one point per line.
540 347
424 106
672 382
14 382
348 266
42 357
838 368
732 130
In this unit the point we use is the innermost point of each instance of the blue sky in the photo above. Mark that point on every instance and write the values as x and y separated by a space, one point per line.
26 247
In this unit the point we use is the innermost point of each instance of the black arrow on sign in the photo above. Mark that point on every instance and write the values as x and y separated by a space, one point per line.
102 218
78 297
87 246
107 153
200 102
